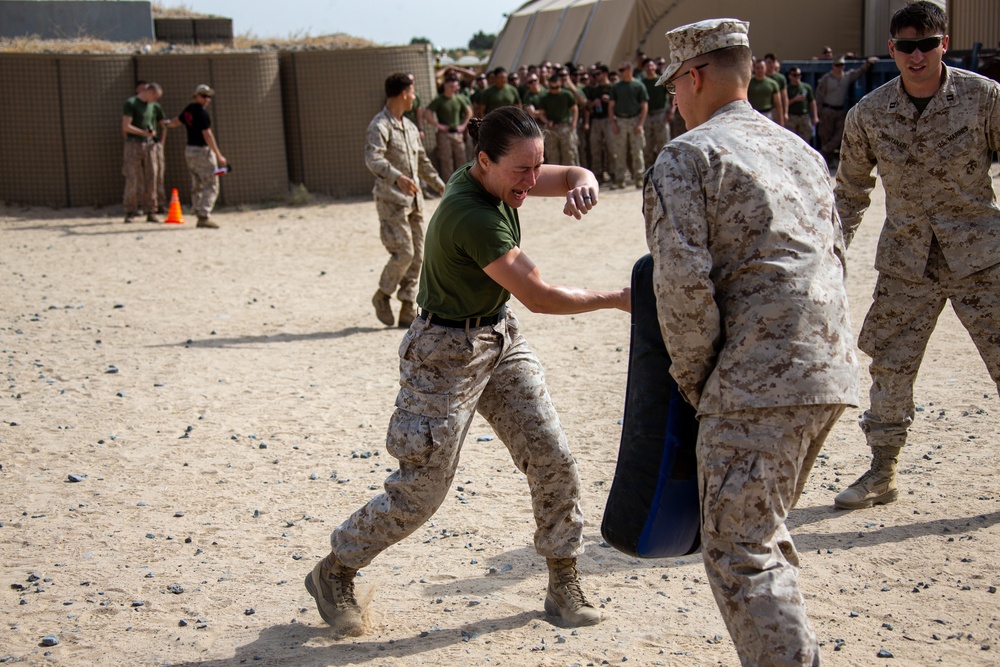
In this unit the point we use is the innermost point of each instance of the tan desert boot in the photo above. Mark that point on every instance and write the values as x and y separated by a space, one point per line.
876 487
407 313
564 599
383 311
332 586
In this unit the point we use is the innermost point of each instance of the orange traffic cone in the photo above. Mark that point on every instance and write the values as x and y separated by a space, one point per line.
174 215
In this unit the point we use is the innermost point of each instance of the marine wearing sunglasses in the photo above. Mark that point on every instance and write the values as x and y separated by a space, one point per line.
918 56
924 44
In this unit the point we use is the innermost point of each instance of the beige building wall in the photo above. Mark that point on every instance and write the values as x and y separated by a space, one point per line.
974 21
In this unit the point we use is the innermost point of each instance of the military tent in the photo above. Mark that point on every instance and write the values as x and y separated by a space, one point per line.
585 31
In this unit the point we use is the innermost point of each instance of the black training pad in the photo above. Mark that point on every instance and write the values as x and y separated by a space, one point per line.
652 509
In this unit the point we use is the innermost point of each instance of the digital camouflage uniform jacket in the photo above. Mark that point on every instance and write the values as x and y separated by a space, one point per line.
749 267
392 148
936 173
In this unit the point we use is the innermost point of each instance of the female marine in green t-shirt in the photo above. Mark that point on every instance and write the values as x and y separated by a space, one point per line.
465 354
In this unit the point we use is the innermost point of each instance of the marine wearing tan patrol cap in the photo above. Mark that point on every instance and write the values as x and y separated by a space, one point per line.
695 39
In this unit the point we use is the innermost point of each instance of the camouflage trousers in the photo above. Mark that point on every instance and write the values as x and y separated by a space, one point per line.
560 145
898 326
202 164
446 375
657 135
801 124
583 145
627 148
830 130
601 161
450 153
402 233
752 467
139 168
161 172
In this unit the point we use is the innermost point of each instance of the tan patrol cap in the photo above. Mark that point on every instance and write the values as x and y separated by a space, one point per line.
696 39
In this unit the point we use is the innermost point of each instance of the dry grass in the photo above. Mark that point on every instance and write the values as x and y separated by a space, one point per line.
182 11
241 43
301 43
78 45
300 196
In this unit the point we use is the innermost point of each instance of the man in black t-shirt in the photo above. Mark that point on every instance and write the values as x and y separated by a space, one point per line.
202 154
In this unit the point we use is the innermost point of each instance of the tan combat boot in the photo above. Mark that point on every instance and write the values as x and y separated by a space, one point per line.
332 586
565 599
876 487
407 313
383 311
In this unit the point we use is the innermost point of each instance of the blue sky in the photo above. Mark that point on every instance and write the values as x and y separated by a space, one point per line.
447 23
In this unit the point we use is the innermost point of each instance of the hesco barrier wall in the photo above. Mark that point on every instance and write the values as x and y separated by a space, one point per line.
60 120
329 99
194 31
60 140
296 117
246 120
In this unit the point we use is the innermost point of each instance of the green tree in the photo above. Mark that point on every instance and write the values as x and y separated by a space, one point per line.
420 40
482 41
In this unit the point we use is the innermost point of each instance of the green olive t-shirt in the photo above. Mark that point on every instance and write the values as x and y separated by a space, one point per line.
469 230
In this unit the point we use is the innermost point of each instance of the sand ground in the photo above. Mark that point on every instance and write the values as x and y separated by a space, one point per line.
222 398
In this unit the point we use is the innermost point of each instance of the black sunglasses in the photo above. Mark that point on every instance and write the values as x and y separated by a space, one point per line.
925 44
672 87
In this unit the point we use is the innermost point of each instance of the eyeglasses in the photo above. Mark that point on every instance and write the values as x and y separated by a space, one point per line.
795 74
925 44
623 69
669 85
